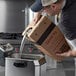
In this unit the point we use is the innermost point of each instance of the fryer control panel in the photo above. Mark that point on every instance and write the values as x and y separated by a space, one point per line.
28 49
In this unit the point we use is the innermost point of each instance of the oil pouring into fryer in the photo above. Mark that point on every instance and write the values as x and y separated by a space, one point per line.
47 37
21 64
25 33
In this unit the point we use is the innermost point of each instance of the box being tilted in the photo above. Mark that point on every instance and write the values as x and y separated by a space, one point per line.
48 38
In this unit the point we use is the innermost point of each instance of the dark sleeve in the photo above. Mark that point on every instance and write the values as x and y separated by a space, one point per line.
68 22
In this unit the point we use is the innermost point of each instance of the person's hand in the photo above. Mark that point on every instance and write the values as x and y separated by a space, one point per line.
37 16
70 53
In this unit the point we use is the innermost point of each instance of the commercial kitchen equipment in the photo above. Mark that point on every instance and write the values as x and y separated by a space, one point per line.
29 65
5 51
15 16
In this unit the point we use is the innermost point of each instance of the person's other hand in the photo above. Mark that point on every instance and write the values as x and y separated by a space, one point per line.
70 53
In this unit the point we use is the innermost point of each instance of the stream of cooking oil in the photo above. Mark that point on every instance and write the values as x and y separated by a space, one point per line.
22 45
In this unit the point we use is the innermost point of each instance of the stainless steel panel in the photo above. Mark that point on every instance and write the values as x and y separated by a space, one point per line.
12 70
12 15
34 65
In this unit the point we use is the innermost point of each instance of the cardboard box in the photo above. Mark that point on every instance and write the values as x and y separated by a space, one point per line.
48 38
